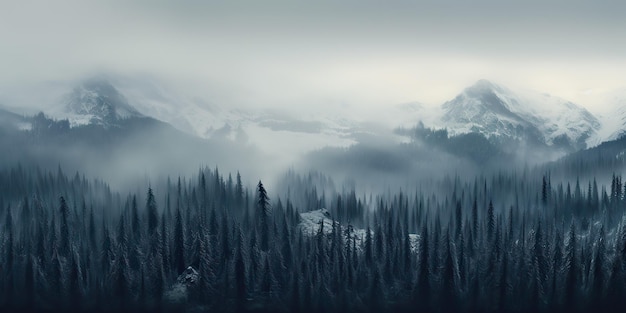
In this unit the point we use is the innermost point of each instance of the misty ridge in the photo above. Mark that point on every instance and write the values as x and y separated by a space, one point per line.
493 206
484 128
312 156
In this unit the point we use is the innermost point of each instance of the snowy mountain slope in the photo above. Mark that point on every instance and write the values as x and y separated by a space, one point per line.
495 110
620 121
96 101
484 107
614 121
560 119
291 134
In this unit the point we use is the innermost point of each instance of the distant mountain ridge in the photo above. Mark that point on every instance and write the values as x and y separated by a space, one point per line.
96 101
616 121
486 108
496 111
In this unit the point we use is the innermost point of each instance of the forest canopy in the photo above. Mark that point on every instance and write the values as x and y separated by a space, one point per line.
507 243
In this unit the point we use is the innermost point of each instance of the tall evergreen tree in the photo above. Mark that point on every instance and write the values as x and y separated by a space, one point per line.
571 280
136 221
153 215
263 211
179 244
422 286
64 246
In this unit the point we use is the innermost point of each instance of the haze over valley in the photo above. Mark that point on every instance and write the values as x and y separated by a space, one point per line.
280 156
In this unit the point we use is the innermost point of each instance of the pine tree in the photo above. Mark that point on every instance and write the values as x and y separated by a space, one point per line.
617 279
449 285
153 215
475 218
238 191
64 246
9 259
207 276
598 273
92 229
158 279
544 191
136 221
557 264
268 286
263 209
422 286
30 297
106 253
179 244
56 284
165 247
369 252
120 276
240 274
491 222
376 292
75 284
572 281
122 238
295 290
458 220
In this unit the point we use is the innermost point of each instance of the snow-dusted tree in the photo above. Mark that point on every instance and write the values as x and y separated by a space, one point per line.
179 244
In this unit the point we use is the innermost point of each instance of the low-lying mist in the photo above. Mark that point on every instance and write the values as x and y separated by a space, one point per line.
136 151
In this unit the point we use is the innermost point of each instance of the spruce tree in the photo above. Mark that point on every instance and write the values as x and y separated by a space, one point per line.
153 215
263 211
179 244
64 245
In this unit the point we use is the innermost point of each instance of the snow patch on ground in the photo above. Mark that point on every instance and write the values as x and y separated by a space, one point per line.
311 221
179 292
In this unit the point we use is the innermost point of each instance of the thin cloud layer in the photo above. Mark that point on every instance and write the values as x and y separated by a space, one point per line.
355 54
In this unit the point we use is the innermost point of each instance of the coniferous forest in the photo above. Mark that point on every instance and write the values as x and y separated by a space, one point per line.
312 156
508 242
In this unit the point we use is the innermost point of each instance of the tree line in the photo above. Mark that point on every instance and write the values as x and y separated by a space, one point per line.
506 243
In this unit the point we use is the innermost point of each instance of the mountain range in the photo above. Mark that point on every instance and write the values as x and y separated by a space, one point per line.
494 111
96 101
614 119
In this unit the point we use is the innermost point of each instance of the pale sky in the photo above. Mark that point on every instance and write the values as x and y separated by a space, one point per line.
322 53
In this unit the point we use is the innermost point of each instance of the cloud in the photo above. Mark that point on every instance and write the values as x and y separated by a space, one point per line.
300 54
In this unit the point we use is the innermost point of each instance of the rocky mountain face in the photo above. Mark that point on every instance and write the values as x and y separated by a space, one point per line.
615 122
498 112
96 101
486 108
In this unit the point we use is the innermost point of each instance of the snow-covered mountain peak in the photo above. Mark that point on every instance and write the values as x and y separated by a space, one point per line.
485 86
495 110
96 101
614 122
486 108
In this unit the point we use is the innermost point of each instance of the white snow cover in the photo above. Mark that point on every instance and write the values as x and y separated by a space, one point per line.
496 110
613 120
179 293
310 224
484 107
557 117
93 101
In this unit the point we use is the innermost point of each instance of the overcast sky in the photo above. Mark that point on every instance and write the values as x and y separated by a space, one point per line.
300 53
